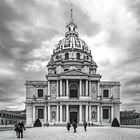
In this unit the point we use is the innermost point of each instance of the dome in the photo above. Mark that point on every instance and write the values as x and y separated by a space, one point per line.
70 42
71 53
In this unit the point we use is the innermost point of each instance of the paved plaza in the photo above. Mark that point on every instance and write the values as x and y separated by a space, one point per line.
60 133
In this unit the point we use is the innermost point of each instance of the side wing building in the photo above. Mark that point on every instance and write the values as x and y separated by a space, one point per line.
73 91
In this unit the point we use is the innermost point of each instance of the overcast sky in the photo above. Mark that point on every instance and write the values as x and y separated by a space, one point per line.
29 30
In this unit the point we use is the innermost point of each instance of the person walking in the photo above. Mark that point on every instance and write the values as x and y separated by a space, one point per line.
68 126
74 126
20 129
85 125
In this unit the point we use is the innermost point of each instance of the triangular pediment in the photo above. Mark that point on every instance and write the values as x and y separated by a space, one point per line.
74 72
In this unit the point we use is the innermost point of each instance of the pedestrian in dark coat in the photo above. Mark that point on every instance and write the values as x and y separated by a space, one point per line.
20 129
74 124
68 126
85 125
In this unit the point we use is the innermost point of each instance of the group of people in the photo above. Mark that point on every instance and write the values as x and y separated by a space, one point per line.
19 127
74 124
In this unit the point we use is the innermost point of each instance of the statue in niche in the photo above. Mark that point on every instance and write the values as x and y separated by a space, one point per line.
93 114
93 89
53 89
53 114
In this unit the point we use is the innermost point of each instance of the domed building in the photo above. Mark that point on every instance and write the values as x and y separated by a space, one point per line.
73 91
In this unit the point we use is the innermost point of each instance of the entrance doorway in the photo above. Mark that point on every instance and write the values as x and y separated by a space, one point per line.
73 91
73 117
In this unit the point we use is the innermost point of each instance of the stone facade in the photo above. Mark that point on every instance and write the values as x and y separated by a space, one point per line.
73 91
129 117
11 117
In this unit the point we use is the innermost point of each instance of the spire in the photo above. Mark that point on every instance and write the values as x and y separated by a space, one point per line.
71 16
71 26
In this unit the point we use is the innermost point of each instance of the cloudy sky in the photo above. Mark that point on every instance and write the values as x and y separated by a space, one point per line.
29 30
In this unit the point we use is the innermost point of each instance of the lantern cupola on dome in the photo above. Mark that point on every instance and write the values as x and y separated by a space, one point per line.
71 39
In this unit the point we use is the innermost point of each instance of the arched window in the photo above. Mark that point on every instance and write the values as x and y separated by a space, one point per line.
78 56
73 91
66 56
40 92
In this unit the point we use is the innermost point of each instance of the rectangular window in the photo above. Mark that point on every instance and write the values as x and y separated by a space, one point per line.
106 93
40 92
105 113
40 113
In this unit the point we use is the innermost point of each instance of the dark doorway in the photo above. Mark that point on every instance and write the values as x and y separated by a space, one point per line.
73 91
73 117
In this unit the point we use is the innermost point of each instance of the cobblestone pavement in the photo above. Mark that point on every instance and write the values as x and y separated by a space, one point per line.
60 133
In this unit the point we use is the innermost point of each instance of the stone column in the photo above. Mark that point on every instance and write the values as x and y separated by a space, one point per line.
89 88
60 113
80 87
57 89
86 113
80 113
45 114
101 114
34 113
60 87
67 114
98 113
48 88
49 113
89 113
86 87
112 113
67 85
57 112
98 94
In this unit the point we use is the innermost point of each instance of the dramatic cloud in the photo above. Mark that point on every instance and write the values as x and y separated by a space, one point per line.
30 29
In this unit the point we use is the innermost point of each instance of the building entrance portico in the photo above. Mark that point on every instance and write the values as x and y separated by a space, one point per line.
73 117
73 113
